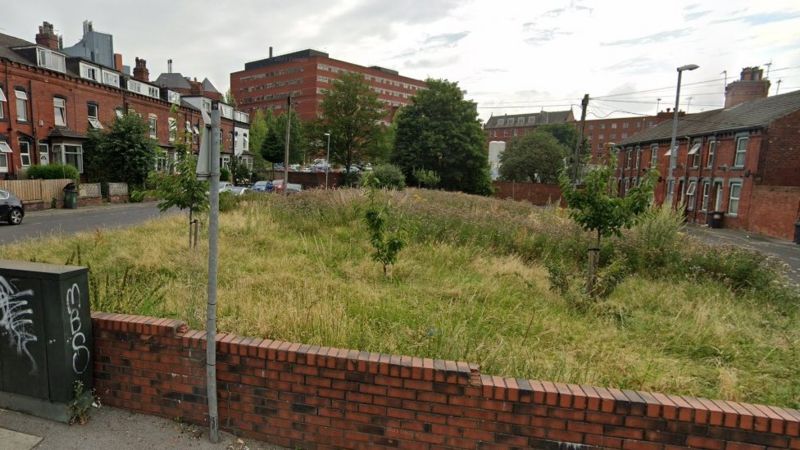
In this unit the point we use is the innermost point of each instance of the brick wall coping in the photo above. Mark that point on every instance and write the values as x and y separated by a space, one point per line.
428 374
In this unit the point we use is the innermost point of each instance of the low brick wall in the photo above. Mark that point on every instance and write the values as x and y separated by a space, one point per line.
536 193
304 396
774 210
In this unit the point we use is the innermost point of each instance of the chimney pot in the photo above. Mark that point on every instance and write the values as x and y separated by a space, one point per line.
140 71
270 51
47 37
750 86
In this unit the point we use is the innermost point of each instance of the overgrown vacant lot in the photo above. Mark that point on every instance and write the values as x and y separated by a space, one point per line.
471 285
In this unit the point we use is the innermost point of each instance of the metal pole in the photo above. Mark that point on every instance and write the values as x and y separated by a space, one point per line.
286 147
327 160
579 144
211 314
673 153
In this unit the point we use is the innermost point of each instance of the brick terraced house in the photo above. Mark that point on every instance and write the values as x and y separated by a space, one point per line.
307 75
507 127
49 101
742 160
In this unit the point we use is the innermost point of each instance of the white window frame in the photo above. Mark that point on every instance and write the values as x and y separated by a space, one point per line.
712 153
691 195
706 192
60 154
152 124
25 152
51 60
719 198
653 155
21 98
740 151
173 129
5 150
44 153
59 111
731 199
3 99
638 156
694 153
89 72
110 78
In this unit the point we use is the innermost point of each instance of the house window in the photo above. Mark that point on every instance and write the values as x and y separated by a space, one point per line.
60 111
706 188
628 157
2 100
89 72
733 201
226 162
153 121
638 156
5 150
111 79
613 126
25 152
173 129
71 154
670 188
22 105
653 155
51 60
712 151
119 112
718 196
741 150
92 114
694 154
624 124
691 190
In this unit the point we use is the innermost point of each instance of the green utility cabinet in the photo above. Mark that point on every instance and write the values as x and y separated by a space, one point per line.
45 337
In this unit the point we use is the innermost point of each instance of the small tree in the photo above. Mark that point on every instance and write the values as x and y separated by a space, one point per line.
182 189
123 153
537 157
386 244
596 207
427 178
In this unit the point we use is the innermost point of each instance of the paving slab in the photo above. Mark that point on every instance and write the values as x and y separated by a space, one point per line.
111 428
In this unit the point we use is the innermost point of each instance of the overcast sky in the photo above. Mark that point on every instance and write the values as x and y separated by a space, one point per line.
510 56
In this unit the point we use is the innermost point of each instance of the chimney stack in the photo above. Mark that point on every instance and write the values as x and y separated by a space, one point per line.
750 86
140 71
118 62
270 51
169 65
47 37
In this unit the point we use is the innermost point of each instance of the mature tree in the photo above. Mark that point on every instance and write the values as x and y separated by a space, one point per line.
440 131
537 157
351 113
596 207
123 153
567 134
258 130
273 146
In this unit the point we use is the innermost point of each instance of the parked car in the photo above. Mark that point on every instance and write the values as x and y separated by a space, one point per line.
238 190
262 186
293 188
12 210
225 186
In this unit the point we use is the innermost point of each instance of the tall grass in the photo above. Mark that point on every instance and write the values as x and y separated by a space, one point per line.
471 285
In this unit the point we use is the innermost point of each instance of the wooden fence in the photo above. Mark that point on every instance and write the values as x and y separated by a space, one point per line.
34 191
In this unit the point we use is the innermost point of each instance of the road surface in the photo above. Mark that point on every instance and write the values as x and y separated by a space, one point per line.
69 221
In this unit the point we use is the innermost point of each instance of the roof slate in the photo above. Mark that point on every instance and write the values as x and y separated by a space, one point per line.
172 80
754 114
541 118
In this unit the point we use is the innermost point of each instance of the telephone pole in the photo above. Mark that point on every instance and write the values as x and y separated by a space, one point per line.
576 158
286 147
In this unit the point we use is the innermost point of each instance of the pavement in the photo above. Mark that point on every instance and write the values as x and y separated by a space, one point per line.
785 251
68 221
111 428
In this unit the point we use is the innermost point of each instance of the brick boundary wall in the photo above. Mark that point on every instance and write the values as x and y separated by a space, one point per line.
304 396
537 193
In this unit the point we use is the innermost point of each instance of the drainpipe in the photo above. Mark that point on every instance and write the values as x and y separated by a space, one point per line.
11 120
34 123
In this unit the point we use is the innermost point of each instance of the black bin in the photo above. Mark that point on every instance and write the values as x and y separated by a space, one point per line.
70 196
46 342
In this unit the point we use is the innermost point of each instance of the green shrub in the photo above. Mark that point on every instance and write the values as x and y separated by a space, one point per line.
137 196
427 178
386 176
227 201
742 270
224 174
52 172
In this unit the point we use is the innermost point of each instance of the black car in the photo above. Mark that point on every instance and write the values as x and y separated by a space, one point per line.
11 208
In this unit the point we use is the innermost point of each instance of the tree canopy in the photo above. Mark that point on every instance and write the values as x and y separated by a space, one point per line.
351 113
273 145
440 131
123 153
536 157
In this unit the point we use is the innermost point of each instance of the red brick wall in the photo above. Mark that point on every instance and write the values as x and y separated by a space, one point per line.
780 161
536 193
304 396
774 210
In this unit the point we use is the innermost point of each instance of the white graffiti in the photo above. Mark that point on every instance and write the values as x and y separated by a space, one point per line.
80 352
15 319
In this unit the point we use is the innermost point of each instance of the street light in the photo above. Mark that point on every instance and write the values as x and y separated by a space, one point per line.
673 153
327 159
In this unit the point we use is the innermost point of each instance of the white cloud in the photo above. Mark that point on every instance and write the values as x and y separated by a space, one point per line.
517 52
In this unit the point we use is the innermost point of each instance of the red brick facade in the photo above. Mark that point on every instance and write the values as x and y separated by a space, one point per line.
600 132
306 76
305 396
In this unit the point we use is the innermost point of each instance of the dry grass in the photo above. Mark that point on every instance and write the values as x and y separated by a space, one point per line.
468 287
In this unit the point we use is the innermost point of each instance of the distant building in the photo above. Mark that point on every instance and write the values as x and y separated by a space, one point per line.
742 160
507 127
306 75
94 46
601 132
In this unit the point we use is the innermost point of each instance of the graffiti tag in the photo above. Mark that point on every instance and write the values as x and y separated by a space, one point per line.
80 352
15 319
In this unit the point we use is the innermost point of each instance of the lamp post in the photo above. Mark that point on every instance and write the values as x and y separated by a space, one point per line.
673 153
327 159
